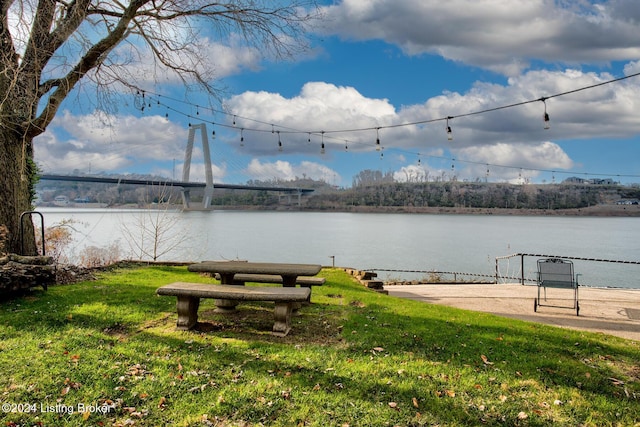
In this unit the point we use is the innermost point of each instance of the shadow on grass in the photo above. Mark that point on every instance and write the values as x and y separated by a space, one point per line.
352 351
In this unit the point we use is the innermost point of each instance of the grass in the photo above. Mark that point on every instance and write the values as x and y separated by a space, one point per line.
354 357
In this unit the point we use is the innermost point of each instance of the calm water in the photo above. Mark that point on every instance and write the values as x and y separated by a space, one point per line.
456 243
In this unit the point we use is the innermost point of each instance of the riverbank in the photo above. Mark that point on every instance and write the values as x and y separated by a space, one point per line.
595 211
591 211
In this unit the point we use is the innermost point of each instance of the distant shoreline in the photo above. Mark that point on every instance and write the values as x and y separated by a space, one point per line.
595 211
592 211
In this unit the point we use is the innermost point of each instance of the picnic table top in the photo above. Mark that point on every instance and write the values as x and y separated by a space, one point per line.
280 269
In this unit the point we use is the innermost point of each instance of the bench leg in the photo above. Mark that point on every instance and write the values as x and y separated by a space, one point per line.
187 312
282 317
225 305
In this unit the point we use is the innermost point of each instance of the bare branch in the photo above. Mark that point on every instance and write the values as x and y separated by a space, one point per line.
170 30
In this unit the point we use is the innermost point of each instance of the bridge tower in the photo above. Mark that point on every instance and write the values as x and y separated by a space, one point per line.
186 169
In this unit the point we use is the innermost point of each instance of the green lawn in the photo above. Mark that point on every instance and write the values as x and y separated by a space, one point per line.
354 357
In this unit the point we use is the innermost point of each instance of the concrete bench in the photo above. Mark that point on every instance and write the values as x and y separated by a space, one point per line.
189 295
305 281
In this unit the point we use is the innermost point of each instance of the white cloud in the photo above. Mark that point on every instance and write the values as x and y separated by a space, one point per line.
499 35
283 170
412 173
605 111
107 143
319 106
530 157
212 59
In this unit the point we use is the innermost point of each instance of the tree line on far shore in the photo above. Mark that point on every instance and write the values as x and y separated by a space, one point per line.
383 191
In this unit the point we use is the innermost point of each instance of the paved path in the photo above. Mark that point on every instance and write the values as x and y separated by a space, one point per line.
610 311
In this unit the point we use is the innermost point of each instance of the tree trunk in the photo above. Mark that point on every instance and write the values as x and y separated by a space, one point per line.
17 187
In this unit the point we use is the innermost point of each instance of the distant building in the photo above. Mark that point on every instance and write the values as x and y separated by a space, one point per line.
593 181
61 201
628 202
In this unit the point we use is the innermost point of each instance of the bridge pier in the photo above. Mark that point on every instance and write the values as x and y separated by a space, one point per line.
186 169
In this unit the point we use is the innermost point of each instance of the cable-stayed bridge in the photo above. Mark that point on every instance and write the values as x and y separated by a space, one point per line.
185 185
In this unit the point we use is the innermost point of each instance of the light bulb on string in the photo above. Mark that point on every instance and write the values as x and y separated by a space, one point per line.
346 145
242 137
378 146
322 145
279 142
545 115
449 132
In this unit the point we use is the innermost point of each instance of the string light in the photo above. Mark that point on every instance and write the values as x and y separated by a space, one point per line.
545 116
322 146
279 142
242 137
447 119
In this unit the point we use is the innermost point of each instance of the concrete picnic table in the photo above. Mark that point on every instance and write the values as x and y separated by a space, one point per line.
228 269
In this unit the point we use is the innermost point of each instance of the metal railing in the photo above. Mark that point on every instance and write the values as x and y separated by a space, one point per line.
522 278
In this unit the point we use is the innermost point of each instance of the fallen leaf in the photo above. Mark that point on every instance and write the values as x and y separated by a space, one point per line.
450 393
415 402
522 416
616 381
393 405
378 349
85 415
485 360
163 402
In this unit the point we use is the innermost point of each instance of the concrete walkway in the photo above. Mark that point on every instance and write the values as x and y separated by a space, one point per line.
610 311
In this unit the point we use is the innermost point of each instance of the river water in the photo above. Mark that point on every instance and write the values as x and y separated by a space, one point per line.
413 242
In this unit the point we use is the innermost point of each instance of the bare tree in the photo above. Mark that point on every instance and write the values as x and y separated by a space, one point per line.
155 233
48 47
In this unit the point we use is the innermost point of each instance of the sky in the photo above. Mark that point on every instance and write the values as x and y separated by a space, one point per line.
381 82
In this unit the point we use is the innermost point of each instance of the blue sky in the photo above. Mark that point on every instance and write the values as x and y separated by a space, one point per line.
376 65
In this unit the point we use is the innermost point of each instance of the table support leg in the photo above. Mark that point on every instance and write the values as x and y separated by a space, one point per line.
289 281
224 305
187 308
282 319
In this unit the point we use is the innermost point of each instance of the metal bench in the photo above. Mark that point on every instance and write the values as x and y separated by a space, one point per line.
189 295
556 273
